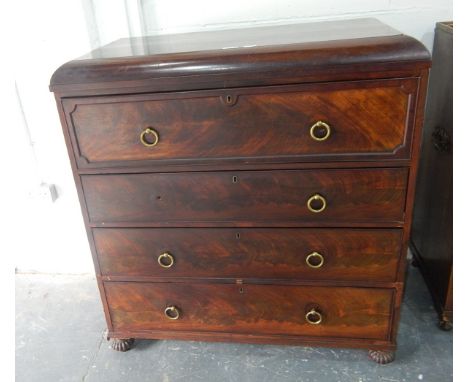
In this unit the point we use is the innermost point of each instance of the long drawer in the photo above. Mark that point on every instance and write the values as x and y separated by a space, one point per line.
344 121
354 195
277 253
261 309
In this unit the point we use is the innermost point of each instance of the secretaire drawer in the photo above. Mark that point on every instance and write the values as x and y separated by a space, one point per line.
312 196
340 121
262 309
275 253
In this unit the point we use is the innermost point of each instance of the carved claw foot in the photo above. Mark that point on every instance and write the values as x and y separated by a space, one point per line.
445 325
122 344
382 357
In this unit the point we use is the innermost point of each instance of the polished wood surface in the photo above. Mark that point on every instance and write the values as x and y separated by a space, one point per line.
358 195
348 254
272 122
229 180
243 54
268 309
432 230
285 36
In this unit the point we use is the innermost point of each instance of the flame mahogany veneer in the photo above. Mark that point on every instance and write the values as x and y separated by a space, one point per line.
251 185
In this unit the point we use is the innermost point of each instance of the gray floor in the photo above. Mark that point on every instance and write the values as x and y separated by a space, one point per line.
60 328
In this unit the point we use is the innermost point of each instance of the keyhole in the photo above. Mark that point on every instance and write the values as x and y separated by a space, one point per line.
238 235
241 290
228 99
234 179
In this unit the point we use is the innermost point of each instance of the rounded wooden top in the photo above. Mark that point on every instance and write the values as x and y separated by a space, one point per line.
240 57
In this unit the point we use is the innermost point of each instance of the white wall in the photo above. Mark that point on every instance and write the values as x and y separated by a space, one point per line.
413 17
50 237
47 237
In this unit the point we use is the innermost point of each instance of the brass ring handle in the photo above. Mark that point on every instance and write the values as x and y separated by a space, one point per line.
315 255
313 198
172 312
149 131
166 256
313 317
324 125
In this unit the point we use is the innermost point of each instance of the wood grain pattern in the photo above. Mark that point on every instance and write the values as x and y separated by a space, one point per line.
364 255
351 195
368 171
269 309
247 123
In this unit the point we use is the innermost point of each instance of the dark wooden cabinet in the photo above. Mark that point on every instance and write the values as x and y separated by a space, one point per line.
261 193
432 230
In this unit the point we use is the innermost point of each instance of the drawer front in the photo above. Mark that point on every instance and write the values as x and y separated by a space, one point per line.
359 195
364 119
262 309
315 254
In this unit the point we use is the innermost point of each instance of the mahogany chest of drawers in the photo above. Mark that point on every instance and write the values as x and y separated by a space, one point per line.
249 185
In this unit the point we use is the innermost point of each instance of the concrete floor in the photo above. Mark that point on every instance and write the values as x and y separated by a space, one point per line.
60 337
